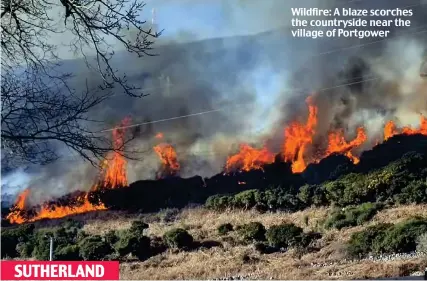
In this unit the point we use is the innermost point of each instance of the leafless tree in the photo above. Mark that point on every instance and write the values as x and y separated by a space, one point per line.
40 107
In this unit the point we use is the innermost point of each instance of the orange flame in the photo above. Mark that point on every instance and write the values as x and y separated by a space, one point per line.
249 158
159 136
168 157
298 136
114 175
422 130
390 129
15 213
338 144
115 172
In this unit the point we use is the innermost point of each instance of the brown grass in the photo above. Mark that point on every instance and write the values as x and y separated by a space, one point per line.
227 260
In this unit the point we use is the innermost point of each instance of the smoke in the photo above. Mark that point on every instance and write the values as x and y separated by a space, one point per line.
260 82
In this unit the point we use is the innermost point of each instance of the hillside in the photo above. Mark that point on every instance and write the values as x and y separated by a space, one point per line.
336 220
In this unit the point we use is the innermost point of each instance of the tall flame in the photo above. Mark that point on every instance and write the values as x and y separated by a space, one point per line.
168 158
338 144
115 173
15 213
298 136
249 158
389 130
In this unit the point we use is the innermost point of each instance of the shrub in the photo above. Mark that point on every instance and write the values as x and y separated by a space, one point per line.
138 227
422 243
68 253
253 231
368 240
352 216
223 229
386 238
11 237
94 248
111 237
284 235
133 243
25 249
219 202
178 238
403 236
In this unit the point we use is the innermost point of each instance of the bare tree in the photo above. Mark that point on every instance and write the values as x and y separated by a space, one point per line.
40 107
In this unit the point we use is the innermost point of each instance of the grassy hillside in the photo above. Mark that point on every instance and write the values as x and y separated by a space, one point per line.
337 220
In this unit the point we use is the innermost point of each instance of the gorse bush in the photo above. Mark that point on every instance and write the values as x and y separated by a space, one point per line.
225 228
388 238
10 238
178 238
352 216
94 248
284 235
253 231
422 243
132 242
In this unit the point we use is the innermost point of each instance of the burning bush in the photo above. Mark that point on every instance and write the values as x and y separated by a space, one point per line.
178 238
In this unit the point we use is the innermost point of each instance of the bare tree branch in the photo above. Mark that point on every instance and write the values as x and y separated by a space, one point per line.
41 110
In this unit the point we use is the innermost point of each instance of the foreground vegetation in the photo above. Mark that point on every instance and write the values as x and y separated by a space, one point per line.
200 243
337 227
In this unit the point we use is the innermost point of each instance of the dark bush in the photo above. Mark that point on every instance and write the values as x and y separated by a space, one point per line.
138 227
94 248
219 202
111 237
368 240
253 231
178 238
284 235
133 243
402 238
25 249
388 238
225 228
68 253
11 237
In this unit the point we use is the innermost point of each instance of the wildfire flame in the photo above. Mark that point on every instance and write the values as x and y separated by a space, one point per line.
249 158
159 136
338 144
14 215
168 158
298 136
391 130
114 175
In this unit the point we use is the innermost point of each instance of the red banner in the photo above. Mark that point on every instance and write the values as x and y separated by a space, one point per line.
59 270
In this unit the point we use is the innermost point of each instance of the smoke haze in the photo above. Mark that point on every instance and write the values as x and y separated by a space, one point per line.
260 81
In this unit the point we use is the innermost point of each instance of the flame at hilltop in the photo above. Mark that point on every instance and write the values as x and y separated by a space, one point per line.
113 175
298 148
249 158
338 144
298 136
391 130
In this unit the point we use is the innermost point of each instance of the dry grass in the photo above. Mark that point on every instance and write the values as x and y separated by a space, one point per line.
227 260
